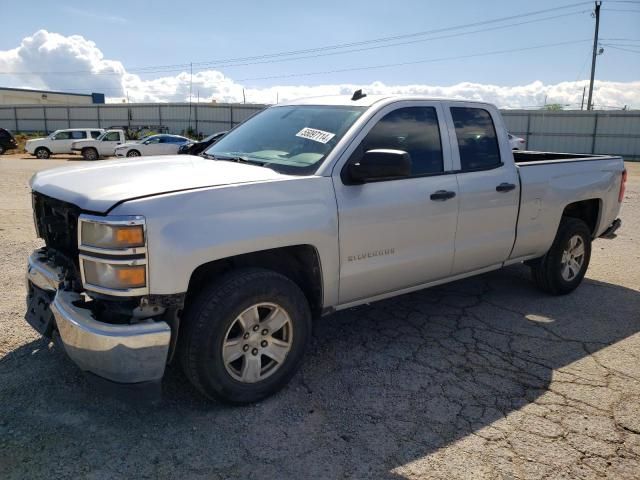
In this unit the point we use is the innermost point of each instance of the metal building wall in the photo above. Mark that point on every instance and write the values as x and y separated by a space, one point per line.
177 117
600 131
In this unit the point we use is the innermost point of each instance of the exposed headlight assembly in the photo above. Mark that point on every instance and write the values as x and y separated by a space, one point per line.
113 254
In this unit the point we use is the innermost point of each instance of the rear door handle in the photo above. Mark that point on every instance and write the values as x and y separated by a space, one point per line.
505 187
442 195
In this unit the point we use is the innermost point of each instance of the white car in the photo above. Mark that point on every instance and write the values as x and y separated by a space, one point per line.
103 146
516 143
60 141
153 145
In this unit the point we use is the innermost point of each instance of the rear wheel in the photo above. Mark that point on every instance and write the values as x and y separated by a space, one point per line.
133 153
563 267
90 154
42 153
244 336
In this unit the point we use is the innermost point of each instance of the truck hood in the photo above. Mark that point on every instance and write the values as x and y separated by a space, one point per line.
36 140
99 186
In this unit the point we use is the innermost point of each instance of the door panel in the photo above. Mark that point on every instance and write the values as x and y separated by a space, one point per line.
489 189
392 234
486 220
107 147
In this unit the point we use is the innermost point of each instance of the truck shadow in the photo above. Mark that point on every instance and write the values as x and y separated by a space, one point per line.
382 386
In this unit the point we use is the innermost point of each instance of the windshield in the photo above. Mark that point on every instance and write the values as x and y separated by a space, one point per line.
292 139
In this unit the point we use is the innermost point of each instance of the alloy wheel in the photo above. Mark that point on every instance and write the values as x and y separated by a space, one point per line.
257 342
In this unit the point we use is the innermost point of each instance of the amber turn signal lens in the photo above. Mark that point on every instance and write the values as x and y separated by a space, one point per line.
129 236
131 276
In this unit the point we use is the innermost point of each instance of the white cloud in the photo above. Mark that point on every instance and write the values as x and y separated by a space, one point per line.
45 52
48 52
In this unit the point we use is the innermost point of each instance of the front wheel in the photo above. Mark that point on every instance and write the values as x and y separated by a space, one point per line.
133 153
244 336
1 149
563 267
90 154
42 153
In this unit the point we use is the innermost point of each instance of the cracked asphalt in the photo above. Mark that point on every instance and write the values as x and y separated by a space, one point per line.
485 378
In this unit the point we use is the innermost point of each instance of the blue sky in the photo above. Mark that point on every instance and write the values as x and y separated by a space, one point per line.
139 35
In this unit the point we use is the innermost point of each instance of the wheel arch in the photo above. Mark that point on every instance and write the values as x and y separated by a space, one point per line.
300 263
589 211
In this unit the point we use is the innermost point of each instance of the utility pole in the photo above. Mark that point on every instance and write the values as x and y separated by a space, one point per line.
584 89
190 90
594 55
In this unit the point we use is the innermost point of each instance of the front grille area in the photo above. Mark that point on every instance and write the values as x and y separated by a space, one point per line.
57 224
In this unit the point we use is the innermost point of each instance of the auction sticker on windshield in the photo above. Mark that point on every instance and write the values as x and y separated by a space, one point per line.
315 135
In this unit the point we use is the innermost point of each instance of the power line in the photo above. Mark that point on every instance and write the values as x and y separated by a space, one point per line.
161 68
621 48
431 60
376 46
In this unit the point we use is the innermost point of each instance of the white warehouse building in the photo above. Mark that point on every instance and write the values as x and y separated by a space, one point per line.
24 96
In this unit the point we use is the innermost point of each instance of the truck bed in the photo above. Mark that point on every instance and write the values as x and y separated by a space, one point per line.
524 157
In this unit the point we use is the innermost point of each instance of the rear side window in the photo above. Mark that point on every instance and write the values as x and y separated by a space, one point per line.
76 135
411 129
95 133
477 140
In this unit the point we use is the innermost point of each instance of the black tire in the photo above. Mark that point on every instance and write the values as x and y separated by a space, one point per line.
90 154
133 153
1 150
212 314
547 271
42 153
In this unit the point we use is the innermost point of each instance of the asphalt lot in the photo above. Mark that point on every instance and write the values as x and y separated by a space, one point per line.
482 378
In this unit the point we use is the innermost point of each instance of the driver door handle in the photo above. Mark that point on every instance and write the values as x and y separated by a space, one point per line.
442 195
505 187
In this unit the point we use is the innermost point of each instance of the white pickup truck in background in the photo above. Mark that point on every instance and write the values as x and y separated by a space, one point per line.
306 208
60 141
103 146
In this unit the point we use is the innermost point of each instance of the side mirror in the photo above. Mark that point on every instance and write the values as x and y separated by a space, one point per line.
380 164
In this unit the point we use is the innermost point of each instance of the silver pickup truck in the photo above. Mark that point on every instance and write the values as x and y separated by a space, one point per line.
307 208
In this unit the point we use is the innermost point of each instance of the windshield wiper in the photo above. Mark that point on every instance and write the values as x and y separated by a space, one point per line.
234 158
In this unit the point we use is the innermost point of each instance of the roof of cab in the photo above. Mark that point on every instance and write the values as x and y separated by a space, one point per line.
368 100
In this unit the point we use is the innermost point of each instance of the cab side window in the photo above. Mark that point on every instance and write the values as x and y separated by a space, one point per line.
77 135
95 133
111 137
62 136
477 139
414 130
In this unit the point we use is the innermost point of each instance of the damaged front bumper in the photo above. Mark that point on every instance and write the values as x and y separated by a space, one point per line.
122 353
